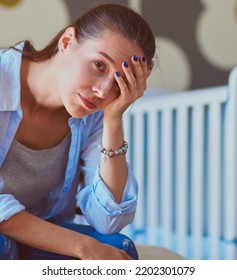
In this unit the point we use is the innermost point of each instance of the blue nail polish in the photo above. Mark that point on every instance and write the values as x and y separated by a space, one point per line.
117 74
135 57
125 64
144 58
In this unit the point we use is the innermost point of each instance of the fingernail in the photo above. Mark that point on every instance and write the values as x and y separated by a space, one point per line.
135 57
144 58
125 64
117 74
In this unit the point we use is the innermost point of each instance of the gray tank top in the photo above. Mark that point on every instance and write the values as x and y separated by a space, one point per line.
30 175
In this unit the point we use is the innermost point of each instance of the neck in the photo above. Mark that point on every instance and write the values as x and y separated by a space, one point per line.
37 87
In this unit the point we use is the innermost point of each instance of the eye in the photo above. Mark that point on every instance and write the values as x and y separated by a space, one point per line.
100 65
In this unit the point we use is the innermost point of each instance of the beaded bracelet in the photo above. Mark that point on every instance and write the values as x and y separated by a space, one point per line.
122 150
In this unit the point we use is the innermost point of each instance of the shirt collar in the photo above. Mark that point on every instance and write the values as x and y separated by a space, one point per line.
84 119
10 63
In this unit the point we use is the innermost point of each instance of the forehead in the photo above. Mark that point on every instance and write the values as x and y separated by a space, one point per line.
113 44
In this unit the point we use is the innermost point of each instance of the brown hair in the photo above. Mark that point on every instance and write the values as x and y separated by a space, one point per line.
94 23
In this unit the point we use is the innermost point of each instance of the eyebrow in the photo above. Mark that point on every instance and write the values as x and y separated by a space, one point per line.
107 57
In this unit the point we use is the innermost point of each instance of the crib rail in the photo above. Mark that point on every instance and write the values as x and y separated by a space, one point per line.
182 149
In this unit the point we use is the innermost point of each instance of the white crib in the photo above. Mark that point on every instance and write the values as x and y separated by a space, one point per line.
183 151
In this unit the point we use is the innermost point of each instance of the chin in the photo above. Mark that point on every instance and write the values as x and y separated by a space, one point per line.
79 113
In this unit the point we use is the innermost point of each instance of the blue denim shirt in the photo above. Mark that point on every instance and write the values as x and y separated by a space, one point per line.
93 197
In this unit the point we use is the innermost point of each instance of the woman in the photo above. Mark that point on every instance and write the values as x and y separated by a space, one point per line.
61 108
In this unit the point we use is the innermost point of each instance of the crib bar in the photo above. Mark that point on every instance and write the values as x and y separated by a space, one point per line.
138 162
152 178
197 180
214 191
230 178
166 176
127 128
181 218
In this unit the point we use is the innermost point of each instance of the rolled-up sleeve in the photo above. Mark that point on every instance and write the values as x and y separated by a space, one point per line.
100 209
9 206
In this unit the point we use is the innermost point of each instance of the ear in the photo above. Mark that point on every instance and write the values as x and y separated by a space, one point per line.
67 39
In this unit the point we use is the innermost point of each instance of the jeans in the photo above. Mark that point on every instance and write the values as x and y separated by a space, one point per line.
12 250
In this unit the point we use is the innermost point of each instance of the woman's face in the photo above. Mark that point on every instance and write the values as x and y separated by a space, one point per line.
86 75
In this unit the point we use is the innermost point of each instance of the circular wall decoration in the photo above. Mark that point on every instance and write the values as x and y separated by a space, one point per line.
236 10
216 33
10 3
37 21
173 72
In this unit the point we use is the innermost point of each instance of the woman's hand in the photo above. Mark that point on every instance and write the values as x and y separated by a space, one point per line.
95 250
132 86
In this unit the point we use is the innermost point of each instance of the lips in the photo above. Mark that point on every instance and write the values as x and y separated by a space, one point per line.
87 103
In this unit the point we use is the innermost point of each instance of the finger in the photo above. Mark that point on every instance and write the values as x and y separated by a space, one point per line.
126 256
139 72
145 69
124 91
130 76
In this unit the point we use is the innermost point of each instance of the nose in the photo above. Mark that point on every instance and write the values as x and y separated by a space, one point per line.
103 87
